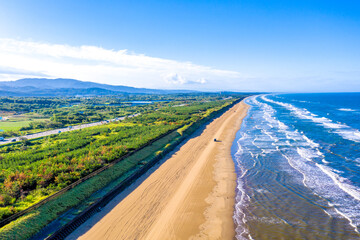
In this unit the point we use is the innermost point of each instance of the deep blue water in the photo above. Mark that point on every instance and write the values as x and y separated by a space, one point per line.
298 163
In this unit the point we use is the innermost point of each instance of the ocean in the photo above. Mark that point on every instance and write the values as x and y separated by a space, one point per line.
297 158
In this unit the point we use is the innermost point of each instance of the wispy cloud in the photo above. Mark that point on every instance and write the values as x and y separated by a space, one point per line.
92 63
21 72
175 78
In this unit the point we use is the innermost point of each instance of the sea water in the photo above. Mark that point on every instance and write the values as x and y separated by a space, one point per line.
298 166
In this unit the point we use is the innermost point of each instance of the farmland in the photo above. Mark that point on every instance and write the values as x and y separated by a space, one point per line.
22 116
14 125
33 170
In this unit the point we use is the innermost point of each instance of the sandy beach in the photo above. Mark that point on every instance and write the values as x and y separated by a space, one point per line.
190 196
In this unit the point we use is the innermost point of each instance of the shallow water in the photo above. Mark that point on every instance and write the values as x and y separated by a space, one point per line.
298 165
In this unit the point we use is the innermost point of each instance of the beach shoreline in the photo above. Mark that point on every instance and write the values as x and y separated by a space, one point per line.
190 196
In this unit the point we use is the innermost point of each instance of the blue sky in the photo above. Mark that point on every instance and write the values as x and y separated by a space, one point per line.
247 45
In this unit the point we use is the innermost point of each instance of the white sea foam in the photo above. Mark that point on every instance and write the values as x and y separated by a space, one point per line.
274 221
307 153
242 198
240 217
324 161
332 125
301 101
329 185
343 130
352 224
275 139
303 155
341 182
322 180
347 110
357 162
310 142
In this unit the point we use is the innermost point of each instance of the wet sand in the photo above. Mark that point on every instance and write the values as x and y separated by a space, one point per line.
190 196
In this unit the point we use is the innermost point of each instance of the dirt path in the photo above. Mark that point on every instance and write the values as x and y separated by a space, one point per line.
191 195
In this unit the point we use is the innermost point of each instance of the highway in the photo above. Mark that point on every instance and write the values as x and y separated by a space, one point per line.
66 129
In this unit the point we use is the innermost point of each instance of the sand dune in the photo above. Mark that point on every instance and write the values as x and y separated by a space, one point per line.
190 196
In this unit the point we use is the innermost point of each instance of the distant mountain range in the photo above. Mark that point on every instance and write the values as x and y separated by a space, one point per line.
71 87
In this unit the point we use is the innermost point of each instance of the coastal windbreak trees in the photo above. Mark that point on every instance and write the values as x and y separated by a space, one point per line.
32 170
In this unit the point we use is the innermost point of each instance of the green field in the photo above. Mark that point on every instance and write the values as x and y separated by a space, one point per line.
15 125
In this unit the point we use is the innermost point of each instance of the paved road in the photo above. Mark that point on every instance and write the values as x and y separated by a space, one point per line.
67 129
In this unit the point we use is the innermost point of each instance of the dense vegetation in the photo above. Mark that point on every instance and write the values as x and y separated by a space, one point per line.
83 195
35 114
31 170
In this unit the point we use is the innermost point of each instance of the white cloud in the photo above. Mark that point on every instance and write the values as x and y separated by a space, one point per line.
201 80
91 63
175 78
